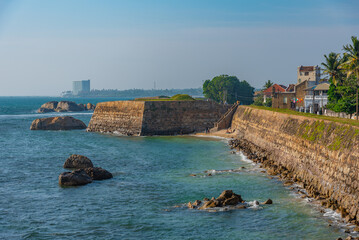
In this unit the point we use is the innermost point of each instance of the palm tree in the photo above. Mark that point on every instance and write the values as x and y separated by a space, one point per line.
352 64
268 84
332 67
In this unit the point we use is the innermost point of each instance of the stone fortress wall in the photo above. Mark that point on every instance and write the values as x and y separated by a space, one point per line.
123 117
323 155
143 118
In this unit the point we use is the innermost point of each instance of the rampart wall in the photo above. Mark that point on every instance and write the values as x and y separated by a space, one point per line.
322 155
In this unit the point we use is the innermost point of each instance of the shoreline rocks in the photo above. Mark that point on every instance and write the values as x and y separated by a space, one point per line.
227 200
65 106
263 157
57 123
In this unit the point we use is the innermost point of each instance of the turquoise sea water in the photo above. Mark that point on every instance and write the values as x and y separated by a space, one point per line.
151 177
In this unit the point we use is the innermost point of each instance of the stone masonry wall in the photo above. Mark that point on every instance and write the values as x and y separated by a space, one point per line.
323 155
180 117
141 118
124 117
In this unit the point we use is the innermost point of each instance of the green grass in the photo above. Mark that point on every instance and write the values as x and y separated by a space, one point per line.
321 117
177 97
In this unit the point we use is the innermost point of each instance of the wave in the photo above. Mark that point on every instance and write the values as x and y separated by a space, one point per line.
42 115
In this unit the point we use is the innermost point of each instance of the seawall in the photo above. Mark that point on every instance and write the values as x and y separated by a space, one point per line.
143 118
322 155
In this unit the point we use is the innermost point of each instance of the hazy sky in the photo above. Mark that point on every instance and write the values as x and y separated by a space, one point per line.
122 44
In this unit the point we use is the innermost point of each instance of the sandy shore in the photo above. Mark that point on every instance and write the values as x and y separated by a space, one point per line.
220 133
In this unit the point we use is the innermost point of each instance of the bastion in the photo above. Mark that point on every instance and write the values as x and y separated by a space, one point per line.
146 118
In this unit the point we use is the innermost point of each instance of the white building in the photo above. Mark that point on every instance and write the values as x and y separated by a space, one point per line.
317 94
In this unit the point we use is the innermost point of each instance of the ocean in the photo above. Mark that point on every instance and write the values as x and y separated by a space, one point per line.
151 185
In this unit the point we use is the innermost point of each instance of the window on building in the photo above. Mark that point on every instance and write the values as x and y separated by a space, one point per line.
306 73
285 100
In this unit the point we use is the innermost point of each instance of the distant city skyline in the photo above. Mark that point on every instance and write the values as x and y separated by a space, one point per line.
46 45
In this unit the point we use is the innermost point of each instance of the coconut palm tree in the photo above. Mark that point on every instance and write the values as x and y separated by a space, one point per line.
351 65
332 67
268 84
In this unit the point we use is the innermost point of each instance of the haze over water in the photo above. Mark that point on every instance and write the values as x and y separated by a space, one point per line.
151 177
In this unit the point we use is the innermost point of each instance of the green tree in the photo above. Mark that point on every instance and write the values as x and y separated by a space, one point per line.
268 84
332 67
352 65
341 98
258 101
228 89
268 102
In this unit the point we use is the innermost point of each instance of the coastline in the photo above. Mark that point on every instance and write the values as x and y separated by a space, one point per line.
220 133
260 156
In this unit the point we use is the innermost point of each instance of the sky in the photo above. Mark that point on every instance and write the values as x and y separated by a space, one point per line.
125 44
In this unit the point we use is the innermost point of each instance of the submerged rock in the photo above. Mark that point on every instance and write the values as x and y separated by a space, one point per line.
74 178
78 161
97 173
57 123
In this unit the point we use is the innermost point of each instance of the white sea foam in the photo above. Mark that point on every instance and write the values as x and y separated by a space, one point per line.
253 204
224 139
42 115
245 159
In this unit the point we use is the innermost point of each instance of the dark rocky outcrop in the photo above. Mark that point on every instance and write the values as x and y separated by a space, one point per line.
85 170
227 198
74 178
57 123
65 106
78 161
97 173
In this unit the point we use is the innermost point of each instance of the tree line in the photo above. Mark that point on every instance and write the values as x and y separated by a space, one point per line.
228 89
343 72
138 93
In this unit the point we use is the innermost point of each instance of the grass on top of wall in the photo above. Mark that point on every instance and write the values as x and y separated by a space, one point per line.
177 97
321 117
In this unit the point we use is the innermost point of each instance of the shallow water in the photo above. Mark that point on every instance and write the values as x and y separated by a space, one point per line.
151 177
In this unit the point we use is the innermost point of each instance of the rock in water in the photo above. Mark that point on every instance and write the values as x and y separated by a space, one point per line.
97 173
64 106
90 106
227 198
48 107
75 178
68 106
269 201
57 123
78 161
